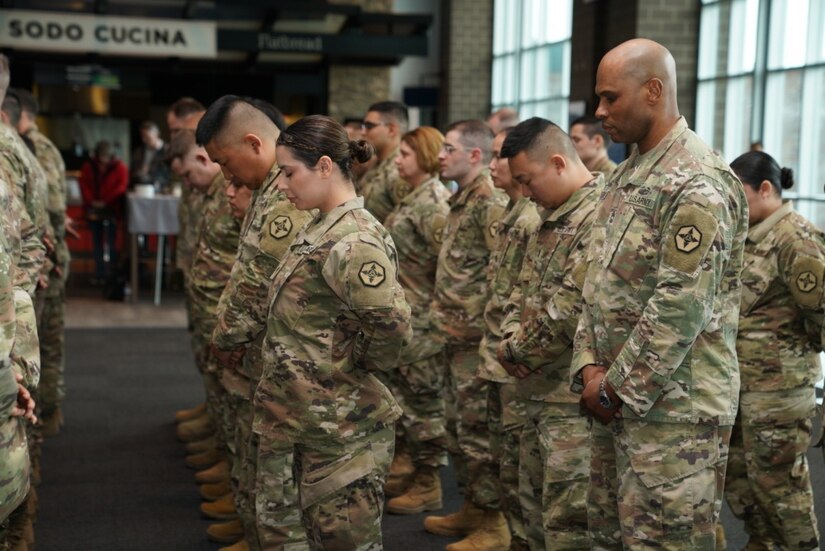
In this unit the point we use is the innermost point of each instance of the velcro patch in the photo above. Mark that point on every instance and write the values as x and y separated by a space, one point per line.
438 225
806 281
280 226
493 228
372 274
692 233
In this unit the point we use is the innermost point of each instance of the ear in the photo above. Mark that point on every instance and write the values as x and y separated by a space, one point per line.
475 155
597 138
766 189
558 163
253 141
392 129
655 89
203 158
324 166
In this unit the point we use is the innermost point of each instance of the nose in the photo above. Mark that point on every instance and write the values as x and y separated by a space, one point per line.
601 111
226 174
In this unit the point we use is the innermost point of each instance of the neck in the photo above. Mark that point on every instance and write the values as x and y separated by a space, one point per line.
418 179
469 177
514 192
658 131
597 160
385 151
340 191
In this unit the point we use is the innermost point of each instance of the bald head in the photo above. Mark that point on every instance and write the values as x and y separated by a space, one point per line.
641 60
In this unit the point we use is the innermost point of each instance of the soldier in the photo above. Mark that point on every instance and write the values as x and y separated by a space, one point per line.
416 225
457 314
381 187
502 119
337 314
540 320
52 388
242 139
655 348
780 337
505 413
591 141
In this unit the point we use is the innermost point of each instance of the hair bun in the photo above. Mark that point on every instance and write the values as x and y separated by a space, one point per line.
786 177
361 151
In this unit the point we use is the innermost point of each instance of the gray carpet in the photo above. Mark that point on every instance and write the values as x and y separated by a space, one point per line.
114 478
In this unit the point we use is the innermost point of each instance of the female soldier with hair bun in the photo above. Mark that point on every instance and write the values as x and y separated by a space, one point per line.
337 315
778 344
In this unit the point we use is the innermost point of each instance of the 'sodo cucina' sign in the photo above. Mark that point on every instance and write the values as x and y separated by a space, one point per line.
64 32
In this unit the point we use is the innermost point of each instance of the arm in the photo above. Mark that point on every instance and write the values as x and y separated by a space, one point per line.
802 268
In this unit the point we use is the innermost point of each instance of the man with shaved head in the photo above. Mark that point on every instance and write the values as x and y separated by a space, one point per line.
241 139
655 351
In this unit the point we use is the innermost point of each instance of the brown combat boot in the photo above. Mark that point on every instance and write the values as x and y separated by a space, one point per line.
240 546
226 532
460 523
196 429
424 494
51 423
222 509
203 460
401 474
759 545
721 540
213 492
214 474
184 415
492 535
200 446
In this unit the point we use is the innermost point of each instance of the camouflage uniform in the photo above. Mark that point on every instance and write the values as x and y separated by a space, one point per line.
661 307
268 229
208 275
606 167
382 187
457 314
779 340
540 320
337 314
505 412
50 325
416 227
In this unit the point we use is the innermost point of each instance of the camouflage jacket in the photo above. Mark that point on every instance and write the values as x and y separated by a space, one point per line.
213 258
543 310
516 227
383 188
461 278
416 227
190 210
781 320
606 167
662 291
337 313
268 229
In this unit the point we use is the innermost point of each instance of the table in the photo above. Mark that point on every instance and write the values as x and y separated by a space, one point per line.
156 215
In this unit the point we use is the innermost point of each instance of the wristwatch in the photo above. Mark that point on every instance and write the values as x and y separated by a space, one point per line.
604 397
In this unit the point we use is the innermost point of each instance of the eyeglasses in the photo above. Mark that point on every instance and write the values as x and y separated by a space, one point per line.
367 125
450 149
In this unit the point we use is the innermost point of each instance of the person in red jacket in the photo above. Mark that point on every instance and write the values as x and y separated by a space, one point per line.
103 182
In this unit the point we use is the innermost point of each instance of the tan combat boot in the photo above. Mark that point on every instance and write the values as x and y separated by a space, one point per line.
424 494
189 414
759 545
492 535
200 446
226 532
401 474
222 509
196 429
240 546
213 492
721 540
203 460
460 523
214 474
51 423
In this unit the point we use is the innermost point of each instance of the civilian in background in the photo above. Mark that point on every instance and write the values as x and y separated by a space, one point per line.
148 161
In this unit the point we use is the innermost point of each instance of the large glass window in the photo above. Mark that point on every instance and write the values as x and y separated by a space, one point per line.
531 57
762 79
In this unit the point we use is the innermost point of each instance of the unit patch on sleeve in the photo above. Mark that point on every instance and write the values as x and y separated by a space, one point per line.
372 274
280 227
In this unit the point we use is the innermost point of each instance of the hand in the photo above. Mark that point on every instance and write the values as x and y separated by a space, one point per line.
43 281
590 396
25 403
71 228
49 244
228 359
516 370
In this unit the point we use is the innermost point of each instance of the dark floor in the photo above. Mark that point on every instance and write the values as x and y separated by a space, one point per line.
114 479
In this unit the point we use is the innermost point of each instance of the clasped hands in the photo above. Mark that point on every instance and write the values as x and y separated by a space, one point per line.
592 376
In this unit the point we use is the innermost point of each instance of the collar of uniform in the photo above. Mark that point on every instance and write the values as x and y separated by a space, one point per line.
604 164
324 221
514 211
462 195
272 175
576 199
217 186
420 190
757 232
639 166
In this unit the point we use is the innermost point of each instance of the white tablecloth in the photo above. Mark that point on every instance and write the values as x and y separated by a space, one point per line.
153 215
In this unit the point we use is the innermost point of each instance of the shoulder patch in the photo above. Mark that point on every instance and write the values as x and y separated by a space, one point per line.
493 228
372 274
692 230
806 281
280 226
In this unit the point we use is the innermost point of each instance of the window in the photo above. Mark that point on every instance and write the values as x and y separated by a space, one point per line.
531 57
762 78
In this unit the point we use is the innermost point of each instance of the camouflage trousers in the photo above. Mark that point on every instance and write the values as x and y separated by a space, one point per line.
330 498
216 400
419 389
768 483
655 485
14 466
554 474
52 388
472 432
506 417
